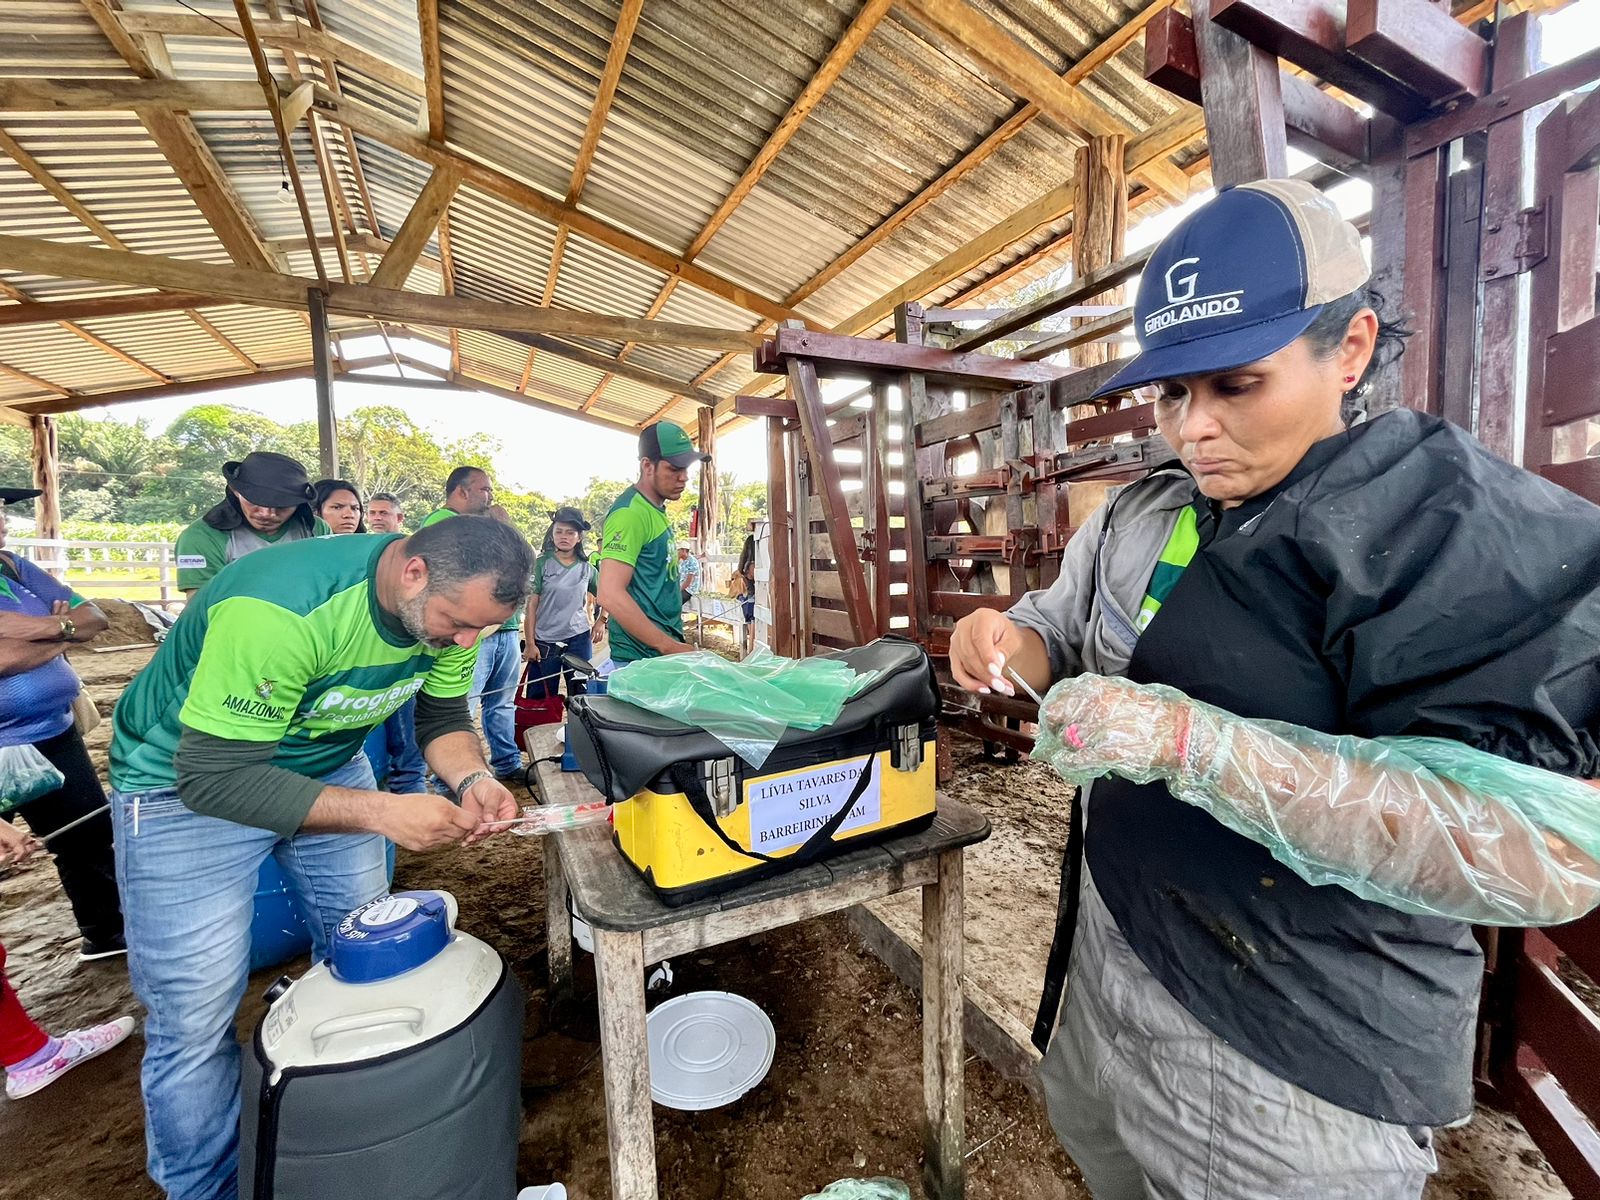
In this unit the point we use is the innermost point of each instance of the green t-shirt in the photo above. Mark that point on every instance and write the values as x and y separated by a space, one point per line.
638 533
202 550
513 623
1183 543
288 647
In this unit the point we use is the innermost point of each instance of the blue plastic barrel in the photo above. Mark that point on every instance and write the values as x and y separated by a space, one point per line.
278 930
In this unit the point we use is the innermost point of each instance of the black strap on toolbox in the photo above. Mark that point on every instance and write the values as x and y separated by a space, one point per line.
1055 967
686 777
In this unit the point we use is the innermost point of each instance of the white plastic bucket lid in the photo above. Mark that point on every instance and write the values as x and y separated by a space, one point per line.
707 1049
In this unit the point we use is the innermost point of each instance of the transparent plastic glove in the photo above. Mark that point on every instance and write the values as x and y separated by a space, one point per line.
25 774
1423 825
863 1189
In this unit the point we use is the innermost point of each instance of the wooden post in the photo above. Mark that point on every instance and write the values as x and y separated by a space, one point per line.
1099 224
1508 164
781 558
46 477
164 574
625 1059
558 928
707 442
913 411
875 481
835 512
1243 101
943 1059
327 429
1458 350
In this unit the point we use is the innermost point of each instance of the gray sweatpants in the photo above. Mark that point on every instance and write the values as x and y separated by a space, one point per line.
1152 1106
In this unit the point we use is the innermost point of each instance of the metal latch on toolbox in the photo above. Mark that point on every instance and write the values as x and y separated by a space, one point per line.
906 751
721 778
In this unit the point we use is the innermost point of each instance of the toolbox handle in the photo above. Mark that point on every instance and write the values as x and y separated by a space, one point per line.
686 776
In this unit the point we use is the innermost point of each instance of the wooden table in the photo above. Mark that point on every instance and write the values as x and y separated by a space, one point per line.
632 927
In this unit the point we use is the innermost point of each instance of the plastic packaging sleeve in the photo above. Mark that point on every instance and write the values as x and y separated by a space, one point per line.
539 819
746 705
1423 825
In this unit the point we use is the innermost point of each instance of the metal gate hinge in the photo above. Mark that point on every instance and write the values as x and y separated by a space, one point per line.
1515 244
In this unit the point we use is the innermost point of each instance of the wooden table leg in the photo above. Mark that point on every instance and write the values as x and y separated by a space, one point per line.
943 1054
625 1051
557 928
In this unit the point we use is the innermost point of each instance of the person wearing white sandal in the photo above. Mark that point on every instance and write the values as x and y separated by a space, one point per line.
30 1057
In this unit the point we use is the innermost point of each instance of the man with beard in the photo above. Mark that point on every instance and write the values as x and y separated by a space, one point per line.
267 503
242 738
638 564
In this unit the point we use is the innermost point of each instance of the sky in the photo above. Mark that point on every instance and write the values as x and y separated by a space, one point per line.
527 462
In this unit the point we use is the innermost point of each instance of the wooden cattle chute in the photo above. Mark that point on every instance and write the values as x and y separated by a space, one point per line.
997 465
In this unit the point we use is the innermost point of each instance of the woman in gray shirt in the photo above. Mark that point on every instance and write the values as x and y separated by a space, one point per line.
561 616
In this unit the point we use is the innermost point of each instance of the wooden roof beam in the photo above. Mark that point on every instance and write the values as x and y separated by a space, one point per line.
1020 119
269 91
185 387
64 197
185 150
432 69
40 312
828 71
605 93
225 342
418 227
43 385
382 128
1024 72
294 108
290 34
122 95
122 355
288 292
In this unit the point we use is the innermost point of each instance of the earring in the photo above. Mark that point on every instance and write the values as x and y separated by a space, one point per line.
1349 379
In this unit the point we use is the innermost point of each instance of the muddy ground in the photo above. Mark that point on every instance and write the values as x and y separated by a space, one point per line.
843 1097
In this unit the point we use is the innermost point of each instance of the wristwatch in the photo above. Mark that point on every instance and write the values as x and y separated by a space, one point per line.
68 629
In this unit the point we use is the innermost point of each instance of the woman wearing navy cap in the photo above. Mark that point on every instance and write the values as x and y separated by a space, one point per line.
1299 582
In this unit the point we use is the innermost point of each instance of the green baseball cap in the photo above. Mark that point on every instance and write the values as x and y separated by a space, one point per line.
665 440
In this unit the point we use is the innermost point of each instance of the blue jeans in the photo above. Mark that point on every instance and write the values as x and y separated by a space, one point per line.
542 675
188 884
495 679
395 756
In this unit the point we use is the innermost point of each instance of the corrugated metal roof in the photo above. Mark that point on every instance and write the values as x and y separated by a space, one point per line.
703 86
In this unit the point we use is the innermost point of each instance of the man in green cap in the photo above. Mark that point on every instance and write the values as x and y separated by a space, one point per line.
638 560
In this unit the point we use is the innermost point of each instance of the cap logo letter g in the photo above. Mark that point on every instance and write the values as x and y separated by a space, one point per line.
1182 288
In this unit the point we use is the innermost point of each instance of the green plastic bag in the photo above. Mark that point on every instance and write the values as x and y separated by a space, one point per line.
747 705
25 774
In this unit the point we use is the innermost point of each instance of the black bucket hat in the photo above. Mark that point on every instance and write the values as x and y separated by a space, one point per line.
12 495
269 479
567 515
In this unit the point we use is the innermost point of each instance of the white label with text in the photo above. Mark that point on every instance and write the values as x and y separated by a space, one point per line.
787 809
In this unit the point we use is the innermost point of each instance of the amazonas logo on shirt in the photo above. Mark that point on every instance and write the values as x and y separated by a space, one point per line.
1182 281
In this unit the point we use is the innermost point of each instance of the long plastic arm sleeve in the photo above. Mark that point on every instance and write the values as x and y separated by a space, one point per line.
1423 825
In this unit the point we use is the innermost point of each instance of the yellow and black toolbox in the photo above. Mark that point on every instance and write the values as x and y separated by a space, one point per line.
695 819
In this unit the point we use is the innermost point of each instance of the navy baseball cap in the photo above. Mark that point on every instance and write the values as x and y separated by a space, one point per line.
1239 279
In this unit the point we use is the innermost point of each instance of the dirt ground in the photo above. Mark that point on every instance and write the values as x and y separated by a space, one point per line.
843 1097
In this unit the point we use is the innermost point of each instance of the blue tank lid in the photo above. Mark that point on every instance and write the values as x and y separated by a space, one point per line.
390 936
